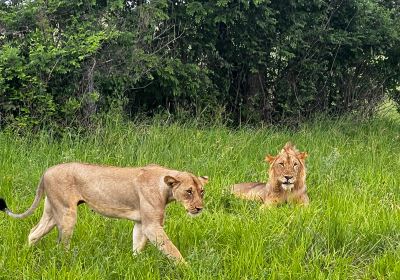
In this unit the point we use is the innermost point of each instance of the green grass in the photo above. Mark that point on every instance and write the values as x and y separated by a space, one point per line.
351 230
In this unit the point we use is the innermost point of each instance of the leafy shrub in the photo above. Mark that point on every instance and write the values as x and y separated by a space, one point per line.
62 62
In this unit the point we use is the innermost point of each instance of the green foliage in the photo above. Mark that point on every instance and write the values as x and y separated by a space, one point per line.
262 61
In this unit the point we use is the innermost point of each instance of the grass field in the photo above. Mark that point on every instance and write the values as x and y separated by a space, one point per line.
351 230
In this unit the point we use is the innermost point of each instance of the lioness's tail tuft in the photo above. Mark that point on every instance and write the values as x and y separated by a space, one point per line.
3 205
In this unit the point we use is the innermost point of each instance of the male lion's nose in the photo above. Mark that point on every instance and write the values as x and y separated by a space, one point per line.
288 177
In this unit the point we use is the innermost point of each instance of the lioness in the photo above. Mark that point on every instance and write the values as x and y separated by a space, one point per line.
138 194
287 175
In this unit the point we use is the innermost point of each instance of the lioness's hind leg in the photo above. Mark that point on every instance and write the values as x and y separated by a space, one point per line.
66 220
139 239
45 225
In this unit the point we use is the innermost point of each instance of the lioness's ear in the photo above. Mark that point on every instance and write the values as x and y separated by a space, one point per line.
203 179
302 155
270 159
170 181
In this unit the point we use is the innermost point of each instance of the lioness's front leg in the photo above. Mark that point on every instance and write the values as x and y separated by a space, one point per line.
139 238
156 234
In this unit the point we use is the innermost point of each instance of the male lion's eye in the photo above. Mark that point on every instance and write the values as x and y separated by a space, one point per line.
295 164
281 164
202 192
189 192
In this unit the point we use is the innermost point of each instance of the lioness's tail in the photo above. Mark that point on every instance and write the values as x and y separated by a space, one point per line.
35 204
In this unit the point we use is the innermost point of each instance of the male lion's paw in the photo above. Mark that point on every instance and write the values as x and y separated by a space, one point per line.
266 206
304 204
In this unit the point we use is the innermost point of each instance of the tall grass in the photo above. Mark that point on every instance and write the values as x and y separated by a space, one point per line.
350 230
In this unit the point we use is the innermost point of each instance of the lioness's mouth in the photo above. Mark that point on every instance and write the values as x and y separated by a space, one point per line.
194 213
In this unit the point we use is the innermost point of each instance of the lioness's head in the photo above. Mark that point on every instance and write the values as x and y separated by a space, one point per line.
288 167
189 190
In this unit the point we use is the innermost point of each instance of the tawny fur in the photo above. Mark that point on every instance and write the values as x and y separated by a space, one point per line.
137 194
286 182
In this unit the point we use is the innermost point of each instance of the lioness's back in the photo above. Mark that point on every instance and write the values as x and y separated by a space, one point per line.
83 171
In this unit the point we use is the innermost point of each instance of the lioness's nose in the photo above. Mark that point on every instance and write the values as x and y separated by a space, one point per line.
199 209
288 177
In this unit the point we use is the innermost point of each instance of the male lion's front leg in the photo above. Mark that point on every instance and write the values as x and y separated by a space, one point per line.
271 201
303 200
269 204
139 239
156 234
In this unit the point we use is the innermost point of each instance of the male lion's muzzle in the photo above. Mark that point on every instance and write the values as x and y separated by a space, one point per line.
287 183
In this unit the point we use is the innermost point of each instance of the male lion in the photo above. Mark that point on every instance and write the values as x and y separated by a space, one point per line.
287 175
138 194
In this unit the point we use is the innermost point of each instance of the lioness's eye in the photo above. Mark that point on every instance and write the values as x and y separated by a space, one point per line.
202 192
189 192
281 164
295 164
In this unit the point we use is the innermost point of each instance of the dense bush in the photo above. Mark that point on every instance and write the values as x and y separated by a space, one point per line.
62 61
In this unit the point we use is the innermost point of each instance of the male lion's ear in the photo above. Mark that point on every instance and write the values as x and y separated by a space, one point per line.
203 179
270 159
302 155
170 181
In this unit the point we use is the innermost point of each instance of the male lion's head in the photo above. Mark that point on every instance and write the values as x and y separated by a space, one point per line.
287 169
189 190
